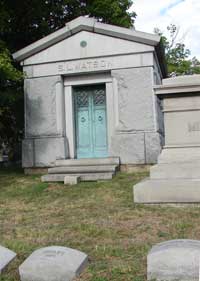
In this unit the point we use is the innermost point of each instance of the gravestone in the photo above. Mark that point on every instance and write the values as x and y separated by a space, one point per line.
6 256
53 263
175 260
176 177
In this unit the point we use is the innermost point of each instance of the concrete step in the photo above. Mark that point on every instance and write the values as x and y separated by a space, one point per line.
72 180
167 191
83 177
82 169
176 171
88 161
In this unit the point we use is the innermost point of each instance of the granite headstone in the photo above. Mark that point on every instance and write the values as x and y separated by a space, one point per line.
174 260
53 263
6 256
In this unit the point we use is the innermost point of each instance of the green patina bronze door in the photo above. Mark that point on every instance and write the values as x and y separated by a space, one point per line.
90 121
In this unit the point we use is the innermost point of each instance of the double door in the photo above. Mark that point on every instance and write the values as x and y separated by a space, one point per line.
90 121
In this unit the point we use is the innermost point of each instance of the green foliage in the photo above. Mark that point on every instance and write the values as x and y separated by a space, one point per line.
25 21
177 55
11 102
7 69
112 12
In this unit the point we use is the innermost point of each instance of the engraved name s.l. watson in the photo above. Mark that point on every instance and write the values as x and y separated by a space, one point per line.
79 66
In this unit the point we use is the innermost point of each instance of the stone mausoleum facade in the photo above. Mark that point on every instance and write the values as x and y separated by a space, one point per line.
89 94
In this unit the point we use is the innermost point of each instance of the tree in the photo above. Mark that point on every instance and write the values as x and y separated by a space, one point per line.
112 12
177 55
195 65
11 101
25 21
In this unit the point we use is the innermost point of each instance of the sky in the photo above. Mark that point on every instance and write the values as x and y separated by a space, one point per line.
185 14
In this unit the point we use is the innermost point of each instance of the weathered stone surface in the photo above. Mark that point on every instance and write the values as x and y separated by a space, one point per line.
82 169
130 147
135 98
182 128
72 180
47 150
43 152
40 103
88 162
35 171
84 52
187 170
136 121
175 260
179 85
99 46
170 155
167 191
80 25
153 144
28 153
133 168
6 256
184 80
90 65
84 177
53 264
159 115
176 178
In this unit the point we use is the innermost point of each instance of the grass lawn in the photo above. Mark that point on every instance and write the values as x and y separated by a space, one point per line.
99 219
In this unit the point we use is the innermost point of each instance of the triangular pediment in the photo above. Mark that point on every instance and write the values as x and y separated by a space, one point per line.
100 38
86 44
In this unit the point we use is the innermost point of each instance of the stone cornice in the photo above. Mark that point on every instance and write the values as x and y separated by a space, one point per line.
86 24
177 89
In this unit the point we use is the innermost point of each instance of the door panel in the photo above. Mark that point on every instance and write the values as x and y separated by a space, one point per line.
91 124
83 140
100 123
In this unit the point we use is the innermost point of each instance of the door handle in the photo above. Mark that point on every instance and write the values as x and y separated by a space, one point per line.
83 119
100 118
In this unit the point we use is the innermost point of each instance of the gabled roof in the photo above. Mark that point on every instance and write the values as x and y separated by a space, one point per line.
87 24
92 25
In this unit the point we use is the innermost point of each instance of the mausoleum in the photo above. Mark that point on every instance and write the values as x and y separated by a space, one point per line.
89 94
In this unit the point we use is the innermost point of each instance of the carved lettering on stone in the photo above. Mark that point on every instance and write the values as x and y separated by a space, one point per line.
194 127
79 66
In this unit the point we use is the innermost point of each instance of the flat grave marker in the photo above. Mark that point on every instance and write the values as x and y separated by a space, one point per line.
6 256
174 260
53 263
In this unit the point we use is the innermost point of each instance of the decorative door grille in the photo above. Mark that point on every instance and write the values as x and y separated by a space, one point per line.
82 99
99 97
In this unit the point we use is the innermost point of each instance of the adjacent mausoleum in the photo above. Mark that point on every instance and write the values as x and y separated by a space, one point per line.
89 94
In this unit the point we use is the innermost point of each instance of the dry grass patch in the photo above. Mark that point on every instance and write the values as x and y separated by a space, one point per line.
97 218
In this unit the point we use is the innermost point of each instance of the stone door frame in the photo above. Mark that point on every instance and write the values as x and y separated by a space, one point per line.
111 104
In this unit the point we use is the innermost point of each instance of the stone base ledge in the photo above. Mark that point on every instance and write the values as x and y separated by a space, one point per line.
134 168
150 191
187 170
35 171
126 168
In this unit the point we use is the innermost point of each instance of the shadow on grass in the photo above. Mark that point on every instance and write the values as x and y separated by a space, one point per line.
11 169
